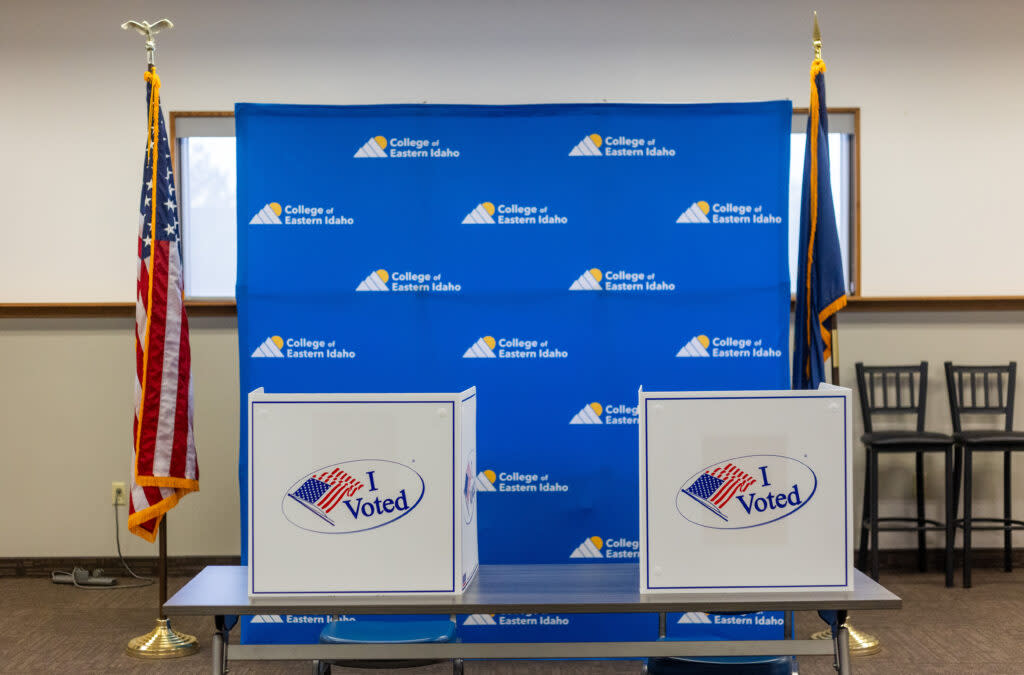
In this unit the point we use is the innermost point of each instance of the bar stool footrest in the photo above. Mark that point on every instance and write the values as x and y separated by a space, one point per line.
929 526
1013 524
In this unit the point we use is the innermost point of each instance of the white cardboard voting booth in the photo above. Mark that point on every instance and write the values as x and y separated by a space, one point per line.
361 493
745 491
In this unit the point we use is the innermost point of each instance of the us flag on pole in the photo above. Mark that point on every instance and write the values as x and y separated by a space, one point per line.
713 489
164 466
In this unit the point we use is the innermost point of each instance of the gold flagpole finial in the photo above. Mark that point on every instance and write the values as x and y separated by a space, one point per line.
148 30
817 38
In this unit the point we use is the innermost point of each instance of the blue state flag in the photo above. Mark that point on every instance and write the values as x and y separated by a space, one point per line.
820 284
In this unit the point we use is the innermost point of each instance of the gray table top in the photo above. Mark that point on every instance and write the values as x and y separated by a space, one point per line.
521 589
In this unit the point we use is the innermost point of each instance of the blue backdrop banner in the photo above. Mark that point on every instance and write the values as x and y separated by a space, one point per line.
557 257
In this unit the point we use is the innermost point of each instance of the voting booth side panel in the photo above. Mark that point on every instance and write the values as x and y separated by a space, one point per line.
346 492
466 484
746 491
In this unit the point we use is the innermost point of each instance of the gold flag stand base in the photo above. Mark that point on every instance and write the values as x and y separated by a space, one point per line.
861 644
162 643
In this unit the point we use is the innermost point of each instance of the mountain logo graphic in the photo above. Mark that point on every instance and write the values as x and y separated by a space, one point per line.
375 281
268 215
482 349
267 618
373 148
698 346
590 548
481 215
480 620
485 481
588 281
694 617
697 213
270 348
590 146
588 414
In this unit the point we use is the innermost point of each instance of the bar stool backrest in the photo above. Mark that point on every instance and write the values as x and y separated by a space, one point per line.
892 390
981 389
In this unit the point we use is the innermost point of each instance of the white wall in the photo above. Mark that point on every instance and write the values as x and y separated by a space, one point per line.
938 82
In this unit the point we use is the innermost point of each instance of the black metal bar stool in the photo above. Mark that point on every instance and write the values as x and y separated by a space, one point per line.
984 390
901 390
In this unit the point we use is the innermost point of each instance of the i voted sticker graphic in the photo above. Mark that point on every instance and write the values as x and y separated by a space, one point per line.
353 496
747 491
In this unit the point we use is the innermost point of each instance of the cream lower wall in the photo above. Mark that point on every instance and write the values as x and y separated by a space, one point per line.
67 433
67 402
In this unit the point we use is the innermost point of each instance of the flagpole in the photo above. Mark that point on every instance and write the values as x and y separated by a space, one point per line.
162 642
834 330
860 643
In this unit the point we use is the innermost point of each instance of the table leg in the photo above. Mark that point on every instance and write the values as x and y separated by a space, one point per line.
223 626
836 619
843 648
217 650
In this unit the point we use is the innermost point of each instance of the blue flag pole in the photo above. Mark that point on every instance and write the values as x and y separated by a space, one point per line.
821 287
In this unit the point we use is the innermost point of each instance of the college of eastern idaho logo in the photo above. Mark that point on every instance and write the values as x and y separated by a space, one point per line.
594 145
588 281
482 214
611 414
590 548
375 281
485 481
299 214
407 282
596 547
515 481
588 414
694 617
727 213
622 281
697 346
590 146
373 148
513 348
270 348
482 349
488 620
277 347
268 215
301 618
489 213
697 213
379 147
727 347
480 620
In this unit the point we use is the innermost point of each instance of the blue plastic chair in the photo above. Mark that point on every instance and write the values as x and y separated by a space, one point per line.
723 665
413 631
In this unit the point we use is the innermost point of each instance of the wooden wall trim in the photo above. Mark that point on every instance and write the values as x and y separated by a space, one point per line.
950 303
78 310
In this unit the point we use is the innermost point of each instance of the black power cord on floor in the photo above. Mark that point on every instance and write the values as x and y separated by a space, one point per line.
81 578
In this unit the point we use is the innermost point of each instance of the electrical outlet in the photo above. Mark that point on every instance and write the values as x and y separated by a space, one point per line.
118 493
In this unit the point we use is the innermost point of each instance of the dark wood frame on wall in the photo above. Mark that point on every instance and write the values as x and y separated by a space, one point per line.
855 219
857 301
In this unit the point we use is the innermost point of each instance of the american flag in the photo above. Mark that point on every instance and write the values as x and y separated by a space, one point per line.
716 487
320 494
164 466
